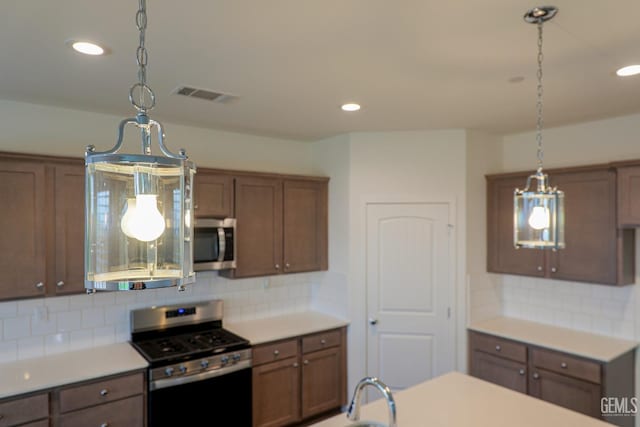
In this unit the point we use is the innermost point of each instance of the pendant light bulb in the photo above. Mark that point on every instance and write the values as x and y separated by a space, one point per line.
145 223
540 218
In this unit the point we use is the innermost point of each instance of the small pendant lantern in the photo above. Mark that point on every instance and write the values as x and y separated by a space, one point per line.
539 208
138 228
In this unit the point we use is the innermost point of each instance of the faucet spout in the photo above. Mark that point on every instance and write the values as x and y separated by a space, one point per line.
354 407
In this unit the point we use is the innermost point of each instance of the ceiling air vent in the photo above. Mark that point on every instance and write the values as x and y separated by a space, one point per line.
207 95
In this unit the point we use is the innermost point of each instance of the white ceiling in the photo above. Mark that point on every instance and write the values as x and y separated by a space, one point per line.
412 64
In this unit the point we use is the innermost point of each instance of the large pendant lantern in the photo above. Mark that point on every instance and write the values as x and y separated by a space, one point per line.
138 228
539 208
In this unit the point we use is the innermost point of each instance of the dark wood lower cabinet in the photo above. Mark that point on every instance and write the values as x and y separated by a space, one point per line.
276 387
500 371
573 382
571 393
299 379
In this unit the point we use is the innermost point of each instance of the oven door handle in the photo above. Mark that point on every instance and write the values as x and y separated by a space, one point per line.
171 382
222 244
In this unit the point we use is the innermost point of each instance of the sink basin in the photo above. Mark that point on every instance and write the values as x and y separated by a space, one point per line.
367 424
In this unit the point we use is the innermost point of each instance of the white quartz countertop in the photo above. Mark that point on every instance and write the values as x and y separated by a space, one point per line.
285 326
24 376
591 346
458 400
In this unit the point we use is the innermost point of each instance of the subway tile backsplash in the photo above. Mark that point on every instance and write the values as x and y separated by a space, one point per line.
600 309
37 327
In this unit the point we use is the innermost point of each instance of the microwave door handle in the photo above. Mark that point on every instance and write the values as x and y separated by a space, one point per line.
222 244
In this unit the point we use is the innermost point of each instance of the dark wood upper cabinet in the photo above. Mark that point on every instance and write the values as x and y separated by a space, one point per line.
282 225
213 195
259 226
596 250
502 256
69 229
305 226
595 247
628 181
23 229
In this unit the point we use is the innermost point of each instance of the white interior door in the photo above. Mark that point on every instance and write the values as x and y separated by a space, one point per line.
410 289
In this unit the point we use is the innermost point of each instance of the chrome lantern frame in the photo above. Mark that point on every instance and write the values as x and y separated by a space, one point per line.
538 218
138 210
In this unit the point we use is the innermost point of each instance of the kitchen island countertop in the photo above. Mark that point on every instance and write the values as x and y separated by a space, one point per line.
276 328
458 400
41 373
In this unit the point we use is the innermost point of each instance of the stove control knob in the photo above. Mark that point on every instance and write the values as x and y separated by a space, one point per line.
204 364
236 358
224 360
168 372
183 369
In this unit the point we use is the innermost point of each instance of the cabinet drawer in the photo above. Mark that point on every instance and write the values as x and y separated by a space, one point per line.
121 413
499 346
320 341
86 395
566 365
277 351
23 410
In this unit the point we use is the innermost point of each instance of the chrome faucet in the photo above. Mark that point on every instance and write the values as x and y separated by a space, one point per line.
354 407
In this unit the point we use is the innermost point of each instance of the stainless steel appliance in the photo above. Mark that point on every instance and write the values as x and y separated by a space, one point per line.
214 244
200 373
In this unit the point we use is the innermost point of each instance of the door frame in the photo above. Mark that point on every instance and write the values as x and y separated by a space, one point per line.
457 292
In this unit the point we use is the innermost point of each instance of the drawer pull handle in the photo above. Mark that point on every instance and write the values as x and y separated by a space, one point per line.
539 268
295 365
521 371
563 365
276 353
306 362
104 392
553 269
40 285
536 376
498 348
104 425
323 341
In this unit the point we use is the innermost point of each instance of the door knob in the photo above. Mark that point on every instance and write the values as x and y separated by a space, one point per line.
373 321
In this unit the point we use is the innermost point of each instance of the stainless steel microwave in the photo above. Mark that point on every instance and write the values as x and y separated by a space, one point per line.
214 244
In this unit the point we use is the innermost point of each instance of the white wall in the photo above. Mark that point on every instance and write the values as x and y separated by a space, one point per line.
484 156
427 165
331 157
31 128
35 327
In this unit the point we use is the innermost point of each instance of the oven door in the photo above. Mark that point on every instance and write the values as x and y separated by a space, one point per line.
221 401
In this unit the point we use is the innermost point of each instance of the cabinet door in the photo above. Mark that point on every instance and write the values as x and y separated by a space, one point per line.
305 226
628 179
259 226
570 393
213 195
22 227
276 393
321 381
499 371
69 229
502 256
593 244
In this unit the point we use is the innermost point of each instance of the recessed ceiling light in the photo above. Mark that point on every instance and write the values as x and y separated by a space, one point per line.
86 48
629 70
350 107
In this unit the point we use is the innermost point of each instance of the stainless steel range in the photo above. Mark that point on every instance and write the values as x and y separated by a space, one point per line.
199 372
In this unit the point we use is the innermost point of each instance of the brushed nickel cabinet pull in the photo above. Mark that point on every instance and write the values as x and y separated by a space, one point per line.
104 392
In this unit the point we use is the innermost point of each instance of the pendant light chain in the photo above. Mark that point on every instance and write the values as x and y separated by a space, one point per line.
144 100
539 102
